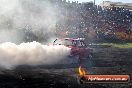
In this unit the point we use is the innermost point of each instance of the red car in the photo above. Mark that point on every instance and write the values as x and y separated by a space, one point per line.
79 50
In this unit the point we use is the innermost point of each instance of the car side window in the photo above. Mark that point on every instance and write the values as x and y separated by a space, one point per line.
74 43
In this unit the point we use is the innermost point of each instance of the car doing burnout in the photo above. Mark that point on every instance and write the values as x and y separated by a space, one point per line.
79 50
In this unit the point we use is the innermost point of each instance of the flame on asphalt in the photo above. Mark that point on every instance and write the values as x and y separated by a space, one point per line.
82 71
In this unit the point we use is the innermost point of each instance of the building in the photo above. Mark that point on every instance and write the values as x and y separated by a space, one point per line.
116 4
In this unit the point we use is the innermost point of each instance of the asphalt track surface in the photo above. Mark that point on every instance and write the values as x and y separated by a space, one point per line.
104 61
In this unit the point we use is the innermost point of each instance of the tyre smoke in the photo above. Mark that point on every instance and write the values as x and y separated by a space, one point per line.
27 21
32 53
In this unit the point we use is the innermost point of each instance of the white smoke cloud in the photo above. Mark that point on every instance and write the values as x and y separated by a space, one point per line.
39 16
17 17
32 53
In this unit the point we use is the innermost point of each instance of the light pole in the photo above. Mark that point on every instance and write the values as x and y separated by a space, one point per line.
94 2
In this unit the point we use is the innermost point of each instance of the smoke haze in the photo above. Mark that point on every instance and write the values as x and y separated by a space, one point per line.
18 17
32 53
21 20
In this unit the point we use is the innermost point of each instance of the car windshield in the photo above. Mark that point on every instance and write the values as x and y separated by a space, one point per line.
65 42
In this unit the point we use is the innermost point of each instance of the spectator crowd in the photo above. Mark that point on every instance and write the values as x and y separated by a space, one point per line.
89 21
93 21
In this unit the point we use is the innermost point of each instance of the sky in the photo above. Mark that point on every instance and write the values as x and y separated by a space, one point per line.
100 1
